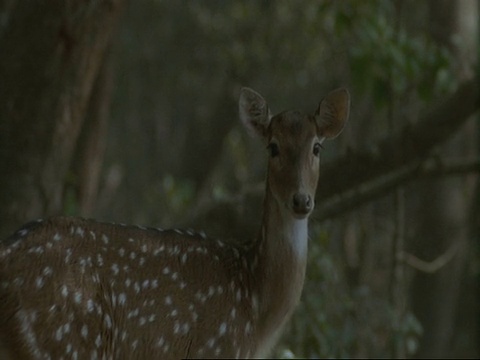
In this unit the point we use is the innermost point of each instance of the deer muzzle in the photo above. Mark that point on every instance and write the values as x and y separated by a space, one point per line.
302 204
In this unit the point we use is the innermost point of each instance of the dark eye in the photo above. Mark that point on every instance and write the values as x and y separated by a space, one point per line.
273 149
316 149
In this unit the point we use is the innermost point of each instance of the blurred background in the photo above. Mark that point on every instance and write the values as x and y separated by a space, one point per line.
126 111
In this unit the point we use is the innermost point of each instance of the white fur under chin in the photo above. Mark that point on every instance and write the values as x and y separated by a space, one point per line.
299 237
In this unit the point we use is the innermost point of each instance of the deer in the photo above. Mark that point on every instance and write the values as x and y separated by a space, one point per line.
75 288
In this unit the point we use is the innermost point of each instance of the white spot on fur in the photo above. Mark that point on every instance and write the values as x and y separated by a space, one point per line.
122 299
39 282
222 329
185 328
28 333
99 260
77 297
184 258
136 286
90 305
115 269
22 232
98 341
79 231
84 331
160 342
158 250
176 327
64 291
211 343
105 239
108 321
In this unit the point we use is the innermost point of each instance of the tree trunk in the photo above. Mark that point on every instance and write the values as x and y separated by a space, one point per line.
51 54
87 163
443 206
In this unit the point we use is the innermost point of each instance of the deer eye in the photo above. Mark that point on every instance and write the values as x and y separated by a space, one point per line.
316 149
273 149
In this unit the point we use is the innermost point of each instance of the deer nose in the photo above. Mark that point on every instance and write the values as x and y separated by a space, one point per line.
302 203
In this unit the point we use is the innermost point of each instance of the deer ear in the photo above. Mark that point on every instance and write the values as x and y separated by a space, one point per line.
254 112
332 113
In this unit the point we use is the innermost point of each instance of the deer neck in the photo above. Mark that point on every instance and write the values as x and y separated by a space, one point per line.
282 252
282 233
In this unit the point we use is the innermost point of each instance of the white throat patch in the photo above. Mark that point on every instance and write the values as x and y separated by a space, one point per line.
299 237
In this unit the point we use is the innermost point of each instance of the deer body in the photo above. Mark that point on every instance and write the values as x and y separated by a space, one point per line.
79 289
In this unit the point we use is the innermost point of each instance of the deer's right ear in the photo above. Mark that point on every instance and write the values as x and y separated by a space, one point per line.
254 112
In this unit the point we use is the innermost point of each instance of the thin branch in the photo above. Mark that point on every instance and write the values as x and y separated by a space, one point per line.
430 267
449 167
432 167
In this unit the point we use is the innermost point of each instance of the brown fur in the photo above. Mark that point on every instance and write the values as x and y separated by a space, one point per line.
74 288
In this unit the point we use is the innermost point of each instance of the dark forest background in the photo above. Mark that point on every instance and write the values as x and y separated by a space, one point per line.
127 112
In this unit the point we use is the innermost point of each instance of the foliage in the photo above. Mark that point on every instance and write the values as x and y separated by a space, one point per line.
389 60
324 325
338 321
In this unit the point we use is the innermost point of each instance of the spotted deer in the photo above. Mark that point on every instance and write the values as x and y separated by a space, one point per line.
72 288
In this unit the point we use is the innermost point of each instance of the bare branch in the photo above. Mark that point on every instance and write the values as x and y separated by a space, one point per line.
430 267
432 167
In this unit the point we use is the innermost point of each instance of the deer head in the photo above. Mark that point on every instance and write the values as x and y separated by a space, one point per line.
294 141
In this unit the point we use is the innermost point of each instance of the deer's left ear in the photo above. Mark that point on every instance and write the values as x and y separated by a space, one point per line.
332 113
254 112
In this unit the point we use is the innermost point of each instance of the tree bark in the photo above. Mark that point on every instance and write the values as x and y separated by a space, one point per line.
442 212
87 163
51 54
